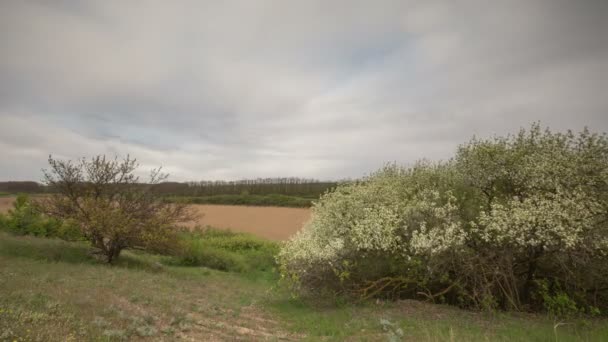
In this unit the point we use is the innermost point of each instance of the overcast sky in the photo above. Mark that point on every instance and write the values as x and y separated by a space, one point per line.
323 89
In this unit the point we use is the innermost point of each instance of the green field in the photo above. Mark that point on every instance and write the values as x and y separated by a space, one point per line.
272 200
52 290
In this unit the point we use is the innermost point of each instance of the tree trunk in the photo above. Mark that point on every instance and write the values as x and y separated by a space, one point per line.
532 266
113 253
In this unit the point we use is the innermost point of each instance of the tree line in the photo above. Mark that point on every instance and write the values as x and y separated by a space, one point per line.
21 186
290 186
262 186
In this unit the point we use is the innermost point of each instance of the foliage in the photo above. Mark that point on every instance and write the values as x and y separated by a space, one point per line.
271 200
287 186
112 208
20 187
26 219
559 304
297 187
479 230
226 251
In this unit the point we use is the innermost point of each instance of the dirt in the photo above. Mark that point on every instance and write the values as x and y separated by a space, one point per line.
5 204
268 222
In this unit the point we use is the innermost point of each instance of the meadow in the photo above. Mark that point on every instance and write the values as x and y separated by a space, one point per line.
53 290
507 241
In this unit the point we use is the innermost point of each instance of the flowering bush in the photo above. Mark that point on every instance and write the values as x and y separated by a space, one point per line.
481 229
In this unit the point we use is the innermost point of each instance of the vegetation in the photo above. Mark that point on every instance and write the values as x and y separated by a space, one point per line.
21 187
291 187
222 250
298 187
26 219
111 207
515 223
252 200
226 251
52 290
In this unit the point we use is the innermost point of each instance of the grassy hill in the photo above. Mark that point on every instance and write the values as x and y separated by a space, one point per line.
52 290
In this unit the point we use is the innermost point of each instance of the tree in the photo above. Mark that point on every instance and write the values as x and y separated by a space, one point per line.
517 222
113 208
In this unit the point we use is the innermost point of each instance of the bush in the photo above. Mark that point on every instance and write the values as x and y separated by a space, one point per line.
197 253
114 210
226 251
25 219
479 230
3 222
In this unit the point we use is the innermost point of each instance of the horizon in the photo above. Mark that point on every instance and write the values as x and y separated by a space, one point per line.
246 90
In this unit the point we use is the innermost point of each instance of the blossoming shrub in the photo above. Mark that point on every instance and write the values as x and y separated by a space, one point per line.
483 229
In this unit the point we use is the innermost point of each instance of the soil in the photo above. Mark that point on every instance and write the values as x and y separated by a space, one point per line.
5 204
268 222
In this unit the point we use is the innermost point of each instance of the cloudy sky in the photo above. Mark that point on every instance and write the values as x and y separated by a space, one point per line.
323 89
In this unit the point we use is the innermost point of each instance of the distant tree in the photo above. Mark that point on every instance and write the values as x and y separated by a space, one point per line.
114 210
21 187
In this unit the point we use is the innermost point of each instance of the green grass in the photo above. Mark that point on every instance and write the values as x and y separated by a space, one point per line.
226 251
274 200
52 290
5 194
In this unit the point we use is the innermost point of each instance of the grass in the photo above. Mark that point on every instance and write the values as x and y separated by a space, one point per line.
54 290
273 200
5 194
227 251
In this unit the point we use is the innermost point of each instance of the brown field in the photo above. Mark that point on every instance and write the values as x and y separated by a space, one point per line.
6 203
268 222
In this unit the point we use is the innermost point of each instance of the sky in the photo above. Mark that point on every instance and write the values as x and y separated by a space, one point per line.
317 89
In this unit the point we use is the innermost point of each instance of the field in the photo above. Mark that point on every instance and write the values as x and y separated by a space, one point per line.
275 223
6 203
51 290
268 222
271 200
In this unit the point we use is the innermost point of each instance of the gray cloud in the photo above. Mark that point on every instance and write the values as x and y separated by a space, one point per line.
290 88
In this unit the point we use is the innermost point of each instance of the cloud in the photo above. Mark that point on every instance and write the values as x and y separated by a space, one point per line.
272 88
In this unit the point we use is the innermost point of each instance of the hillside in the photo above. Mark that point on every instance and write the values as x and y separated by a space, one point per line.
51 290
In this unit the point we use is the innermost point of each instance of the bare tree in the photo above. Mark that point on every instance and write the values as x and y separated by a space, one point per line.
113 208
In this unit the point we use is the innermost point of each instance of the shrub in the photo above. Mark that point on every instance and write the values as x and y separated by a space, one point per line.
3 222
226 251
111 207
479 230
25 219
197 253
558 303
